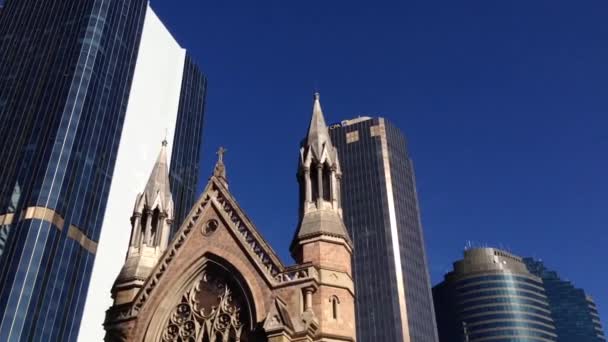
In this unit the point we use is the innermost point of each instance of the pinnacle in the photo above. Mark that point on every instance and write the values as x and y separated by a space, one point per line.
158 182
318 135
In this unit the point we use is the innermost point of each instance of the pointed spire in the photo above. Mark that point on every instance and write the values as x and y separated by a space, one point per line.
319 176
318 135
158 183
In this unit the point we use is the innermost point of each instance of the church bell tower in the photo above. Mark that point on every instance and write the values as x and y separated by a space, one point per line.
321 238
150 228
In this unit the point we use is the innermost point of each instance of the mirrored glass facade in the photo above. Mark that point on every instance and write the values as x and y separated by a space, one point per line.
65 78
166 73
188 136
380 207
490 295
573 311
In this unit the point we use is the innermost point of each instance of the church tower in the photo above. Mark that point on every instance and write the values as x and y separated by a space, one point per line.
321 238
150 229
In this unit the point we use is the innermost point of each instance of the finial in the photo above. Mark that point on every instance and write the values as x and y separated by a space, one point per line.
317 95
220 153
220 170
165 139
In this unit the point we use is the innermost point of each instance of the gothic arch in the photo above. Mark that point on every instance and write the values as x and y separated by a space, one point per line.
212 301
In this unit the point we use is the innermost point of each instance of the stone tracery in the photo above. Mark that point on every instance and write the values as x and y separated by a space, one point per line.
213 310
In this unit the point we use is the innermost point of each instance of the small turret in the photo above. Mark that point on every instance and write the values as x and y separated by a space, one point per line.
150 228
319 176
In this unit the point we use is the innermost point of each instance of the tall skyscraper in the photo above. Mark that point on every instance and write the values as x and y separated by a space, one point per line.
381 212
65 84
490 295
574 312
164 72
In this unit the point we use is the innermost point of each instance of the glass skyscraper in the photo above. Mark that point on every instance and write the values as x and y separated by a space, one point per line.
166 73
380 205
65 84
187 137
490 295
574 312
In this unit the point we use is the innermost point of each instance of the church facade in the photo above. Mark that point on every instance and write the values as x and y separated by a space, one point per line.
219 280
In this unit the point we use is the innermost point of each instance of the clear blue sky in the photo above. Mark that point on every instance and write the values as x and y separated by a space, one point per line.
504 103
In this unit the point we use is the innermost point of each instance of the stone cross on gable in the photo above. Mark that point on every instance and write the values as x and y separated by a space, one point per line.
220 152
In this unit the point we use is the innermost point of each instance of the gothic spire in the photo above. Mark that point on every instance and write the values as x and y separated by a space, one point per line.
158 184
150 229
319 177
318 135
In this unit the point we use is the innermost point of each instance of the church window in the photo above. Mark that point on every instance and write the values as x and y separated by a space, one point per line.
314 182
326 181
143 223
154 229
215 308
210 227
335 306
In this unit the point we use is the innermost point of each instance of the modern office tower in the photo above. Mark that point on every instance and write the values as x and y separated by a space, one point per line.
166 73
65 81
381 212
491 295
574 312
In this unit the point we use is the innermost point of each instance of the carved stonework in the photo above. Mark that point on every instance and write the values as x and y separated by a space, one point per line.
213 309
210 227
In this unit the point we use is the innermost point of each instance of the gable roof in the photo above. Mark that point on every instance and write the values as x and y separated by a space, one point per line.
217 196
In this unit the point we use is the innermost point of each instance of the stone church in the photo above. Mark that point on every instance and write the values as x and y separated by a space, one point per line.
219 280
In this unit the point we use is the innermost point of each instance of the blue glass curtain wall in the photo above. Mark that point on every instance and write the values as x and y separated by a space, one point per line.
367 217
490 306
573 311
65 77
186 153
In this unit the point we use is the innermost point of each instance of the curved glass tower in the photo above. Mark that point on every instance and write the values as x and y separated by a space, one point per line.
574 311
490 295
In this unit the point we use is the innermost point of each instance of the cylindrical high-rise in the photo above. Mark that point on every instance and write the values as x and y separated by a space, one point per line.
573 310
490 295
